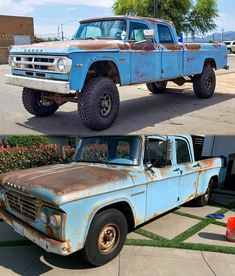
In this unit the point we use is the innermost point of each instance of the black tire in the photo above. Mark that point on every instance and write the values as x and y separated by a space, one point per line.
204 83
109 224
35 105
157 87
204 199
230 51
99 103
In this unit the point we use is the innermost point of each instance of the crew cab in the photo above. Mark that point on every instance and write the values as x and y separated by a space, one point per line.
107 52
114 184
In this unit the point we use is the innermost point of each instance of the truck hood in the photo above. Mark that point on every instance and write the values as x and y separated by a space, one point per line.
59 184
71 46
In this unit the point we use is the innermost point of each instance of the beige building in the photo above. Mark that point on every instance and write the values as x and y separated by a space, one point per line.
14 30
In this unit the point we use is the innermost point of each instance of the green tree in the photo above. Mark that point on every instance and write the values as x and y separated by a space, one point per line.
191 17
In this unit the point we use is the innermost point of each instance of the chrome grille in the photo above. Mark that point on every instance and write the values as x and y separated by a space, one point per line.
36 63
25 205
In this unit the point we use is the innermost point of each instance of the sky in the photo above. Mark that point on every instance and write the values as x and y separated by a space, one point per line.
50 14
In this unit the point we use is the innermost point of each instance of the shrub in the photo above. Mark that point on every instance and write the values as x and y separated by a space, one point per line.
26 140
18 158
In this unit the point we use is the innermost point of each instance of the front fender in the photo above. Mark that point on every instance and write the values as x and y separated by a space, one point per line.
80 213
83 61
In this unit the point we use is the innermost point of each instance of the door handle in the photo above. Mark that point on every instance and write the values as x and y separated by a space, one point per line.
176 170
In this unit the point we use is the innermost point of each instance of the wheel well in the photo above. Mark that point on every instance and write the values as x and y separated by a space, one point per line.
211 63
215 180
106 69
124 208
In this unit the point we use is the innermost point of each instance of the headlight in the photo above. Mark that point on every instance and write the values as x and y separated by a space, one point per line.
55 220
11 61
43 217
61 64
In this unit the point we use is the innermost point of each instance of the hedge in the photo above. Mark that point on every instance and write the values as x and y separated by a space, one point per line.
18 158
26 140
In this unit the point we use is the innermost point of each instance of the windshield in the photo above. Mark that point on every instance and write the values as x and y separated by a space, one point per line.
105 29
109 150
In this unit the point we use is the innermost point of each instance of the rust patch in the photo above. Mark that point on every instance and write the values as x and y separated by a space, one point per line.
49 231
144 46
150 175
208 163
189 198
172 47
192 47
88 45
63 179
154 216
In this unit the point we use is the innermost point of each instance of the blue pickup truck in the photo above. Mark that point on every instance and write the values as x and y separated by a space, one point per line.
114 184
107 52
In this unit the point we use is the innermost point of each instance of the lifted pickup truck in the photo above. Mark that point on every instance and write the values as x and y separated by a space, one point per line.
105 52
114 184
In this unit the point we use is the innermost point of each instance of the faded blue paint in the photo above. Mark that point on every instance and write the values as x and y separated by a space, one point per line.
152 61
149 192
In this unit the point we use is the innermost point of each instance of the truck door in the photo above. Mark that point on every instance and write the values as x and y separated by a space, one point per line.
172 53
145 55
163 178
189 170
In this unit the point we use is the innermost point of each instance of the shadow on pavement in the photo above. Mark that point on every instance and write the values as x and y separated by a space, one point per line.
212 236
134 115
32 261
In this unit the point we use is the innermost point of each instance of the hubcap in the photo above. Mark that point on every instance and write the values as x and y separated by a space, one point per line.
108 239
105 105
208 82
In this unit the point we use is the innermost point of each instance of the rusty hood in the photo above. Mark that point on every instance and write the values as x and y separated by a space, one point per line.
59 184
71 46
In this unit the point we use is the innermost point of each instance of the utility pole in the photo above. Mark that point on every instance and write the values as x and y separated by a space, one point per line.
155 8
222 35
62 31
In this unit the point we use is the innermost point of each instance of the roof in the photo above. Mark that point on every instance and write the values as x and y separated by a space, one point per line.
126 17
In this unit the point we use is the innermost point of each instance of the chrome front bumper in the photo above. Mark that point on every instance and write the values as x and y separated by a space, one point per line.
61 87
48 244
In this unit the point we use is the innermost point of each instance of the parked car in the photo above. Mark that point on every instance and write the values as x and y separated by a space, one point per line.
230 46
114 184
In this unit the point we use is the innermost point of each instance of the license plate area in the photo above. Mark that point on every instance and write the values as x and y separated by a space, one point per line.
18 228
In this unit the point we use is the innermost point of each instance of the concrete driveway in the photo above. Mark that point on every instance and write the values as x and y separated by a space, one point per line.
175 111
149 250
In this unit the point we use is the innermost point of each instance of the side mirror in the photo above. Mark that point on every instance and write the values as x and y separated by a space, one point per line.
169 152
149 34
123 35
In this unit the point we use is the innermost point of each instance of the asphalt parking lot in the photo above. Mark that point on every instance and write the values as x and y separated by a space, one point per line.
175 111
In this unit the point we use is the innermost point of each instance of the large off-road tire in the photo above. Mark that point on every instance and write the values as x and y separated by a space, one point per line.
204 83
230 51
99 103
204 199
157 87
106 237
34 104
